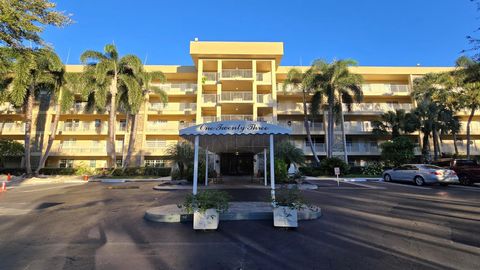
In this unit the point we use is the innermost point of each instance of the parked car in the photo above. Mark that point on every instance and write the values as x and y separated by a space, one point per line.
421 174
468 170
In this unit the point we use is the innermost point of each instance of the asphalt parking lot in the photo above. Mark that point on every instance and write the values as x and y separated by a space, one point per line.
369 225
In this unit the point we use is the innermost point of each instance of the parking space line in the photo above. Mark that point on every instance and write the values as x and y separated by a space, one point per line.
403 185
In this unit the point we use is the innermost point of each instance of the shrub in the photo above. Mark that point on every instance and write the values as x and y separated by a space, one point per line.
135 171
207 199
12 171
291 198
58 171
373 168
327 166
398 151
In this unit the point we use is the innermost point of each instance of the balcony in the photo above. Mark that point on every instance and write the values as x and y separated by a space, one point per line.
209 119
267 119
290 89
363 148
290 108
237 74
236 117
318 147
385 89
209 98
170 127
181 88
80 150
11 128
474 128
157 147
82 127
298 127
236 97
376 108
264 98
209 77
264 78
356 127
172 108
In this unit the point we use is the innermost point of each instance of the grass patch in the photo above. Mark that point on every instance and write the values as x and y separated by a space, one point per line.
129 177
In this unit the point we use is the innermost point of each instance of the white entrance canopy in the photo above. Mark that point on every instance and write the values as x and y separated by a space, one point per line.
235 136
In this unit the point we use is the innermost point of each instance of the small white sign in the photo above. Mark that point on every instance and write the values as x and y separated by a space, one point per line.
337 171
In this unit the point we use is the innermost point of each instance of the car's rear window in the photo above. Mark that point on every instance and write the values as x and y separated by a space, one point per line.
431 167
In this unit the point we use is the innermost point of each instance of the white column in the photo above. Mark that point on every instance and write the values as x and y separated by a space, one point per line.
195 166
272 168
206 167
265 165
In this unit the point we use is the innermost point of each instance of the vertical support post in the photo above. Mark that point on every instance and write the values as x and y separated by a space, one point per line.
206 167
265 165
272 168
195 166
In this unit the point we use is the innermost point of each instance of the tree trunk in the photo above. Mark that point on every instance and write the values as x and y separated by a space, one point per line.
330 130
342 128
435 143
131 141
51 138
426 147
307 129
28 128
112 120
470 117
455 144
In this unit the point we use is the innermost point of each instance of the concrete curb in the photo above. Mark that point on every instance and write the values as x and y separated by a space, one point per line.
238 211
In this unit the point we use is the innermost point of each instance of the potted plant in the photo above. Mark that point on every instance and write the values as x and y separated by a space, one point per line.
286 204
206 207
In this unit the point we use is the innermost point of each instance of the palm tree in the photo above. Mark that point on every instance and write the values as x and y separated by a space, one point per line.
30 71
133 102
449 125
396 122
287 152
468 76
339 86
297 79
106 73
182 155
63 94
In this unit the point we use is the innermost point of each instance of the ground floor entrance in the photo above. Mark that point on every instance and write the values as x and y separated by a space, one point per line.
236 163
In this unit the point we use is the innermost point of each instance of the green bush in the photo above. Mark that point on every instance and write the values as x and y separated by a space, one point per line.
291 198
327 166
311 171
373 168
281 171
136 171
58 171
12 171
398 151
207 199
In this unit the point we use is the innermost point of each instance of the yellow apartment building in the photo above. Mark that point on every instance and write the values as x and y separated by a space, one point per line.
227 81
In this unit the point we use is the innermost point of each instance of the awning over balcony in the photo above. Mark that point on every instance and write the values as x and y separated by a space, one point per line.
234 136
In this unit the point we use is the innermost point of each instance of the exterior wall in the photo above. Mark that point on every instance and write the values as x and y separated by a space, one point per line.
229 81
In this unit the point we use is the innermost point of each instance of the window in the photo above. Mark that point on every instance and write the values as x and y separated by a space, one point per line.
66 163
93 163
123 124
156 163
98 123
119 162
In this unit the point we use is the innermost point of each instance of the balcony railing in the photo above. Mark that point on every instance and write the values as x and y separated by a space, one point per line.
237 96
290 108
208 119
318 147
362 148
209 76
264 77
81 149
209 98
264 98
12 128
268 119
298 127
9 108
171 126
172 107
180 87
229 117
237 74
385 89
378 107
359 126
290 89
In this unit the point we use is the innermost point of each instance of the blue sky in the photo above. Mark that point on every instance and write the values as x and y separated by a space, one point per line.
373 32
